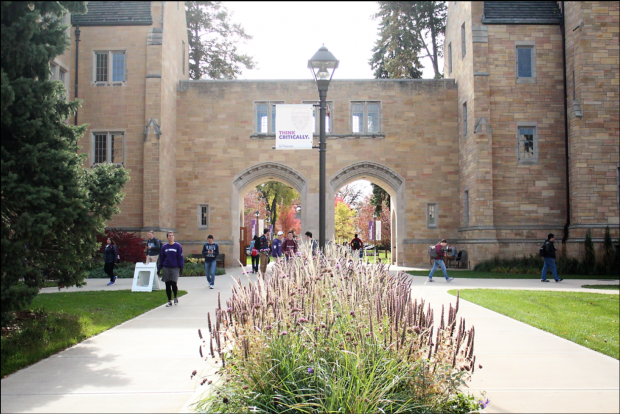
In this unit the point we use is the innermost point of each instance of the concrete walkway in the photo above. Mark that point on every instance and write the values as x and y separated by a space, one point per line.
144 365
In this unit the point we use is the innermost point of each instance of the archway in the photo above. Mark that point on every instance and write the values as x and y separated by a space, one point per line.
390 181
256 175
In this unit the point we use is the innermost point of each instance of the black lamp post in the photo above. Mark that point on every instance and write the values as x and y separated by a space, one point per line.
257 214
323 65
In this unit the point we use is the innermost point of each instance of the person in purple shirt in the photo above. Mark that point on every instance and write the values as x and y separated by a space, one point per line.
172 261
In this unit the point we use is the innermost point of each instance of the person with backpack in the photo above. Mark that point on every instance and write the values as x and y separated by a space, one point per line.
263 250
276 247
356 246
210 251
254 253
312 242
547 252
110 257
153 246
289 247
437 253
172 262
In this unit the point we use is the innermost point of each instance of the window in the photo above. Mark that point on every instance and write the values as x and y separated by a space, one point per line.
463 44
109 68
182 54
58 72
464 119
466 207
365 117
525 61
450 57
203 216
527 143
431 215
265 117
108 147
315 113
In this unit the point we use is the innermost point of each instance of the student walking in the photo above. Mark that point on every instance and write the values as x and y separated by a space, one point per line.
276 248
312 242
440 249
210 251
153 246
254 253
548 254
172 262
289 246
356 246
110 257
263 249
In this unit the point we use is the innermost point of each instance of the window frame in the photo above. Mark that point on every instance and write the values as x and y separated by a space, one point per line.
270 108
525 45
435 207
450 58
365 103
466 207
182 55
315 114
199 214
464 118
109 133
463 41
534 159
110 67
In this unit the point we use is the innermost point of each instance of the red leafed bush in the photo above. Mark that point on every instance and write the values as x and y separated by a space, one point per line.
130 247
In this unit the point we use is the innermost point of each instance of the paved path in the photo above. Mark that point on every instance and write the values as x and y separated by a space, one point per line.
144 365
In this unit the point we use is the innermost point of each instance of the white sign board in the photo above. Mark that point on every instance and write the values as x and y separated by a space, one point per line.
145 278
294 126
378 229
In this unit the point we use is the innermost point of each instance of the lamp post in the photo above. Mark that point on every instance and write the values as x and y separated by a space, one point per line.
323 65
257 214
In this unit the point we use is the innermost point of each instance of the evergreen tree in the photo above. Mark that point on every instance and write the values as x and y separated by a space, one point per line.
589 259
52 207
379 198
408 32
212 41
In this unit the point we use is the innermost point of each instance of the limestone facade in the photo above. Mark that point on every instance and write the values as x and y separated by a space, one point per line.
453 142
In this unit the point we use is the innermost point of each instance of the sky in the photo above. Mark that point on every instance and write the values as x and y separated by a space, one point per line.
285 35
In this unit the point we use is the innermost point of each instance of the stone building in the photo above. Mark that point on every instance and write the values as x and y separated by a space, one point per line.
478 158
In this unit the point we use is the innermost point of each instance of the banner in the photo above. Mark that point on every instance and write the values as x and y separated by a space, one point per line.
378 228
253 228
371 232
261 227
294 125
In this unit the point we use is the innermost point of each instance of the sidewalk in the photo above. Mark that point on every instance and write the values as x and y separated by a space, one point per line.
144 365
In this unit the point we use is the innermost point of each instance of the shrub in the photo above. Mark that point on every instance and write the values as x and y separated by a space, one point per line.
589 256
329 334
122 270
130 247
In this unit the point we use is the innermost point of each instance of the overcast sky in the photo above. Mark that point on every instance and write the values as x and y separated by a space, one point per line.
287 34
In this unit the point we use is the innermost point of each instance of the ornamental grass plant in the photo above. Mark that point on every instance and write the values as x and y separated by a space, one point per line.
330 333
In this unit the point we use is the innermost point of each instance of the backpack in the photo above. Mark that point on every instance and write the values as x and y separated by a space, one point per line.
542 252
254 252
356 244
432 252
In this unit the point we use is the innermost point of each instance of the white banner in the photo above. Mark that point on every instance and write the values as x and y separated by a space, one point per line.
294 125
378 229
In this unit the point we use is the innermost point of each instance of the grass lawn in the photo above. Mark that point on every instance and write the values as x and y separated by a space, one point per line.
56 321
604 287
588 319
470 274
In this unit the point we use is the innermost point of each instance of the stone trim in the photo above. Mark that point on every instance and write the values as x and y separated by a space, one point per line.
519 227
593 226
481 73
154 76
330 136
577 109
281 171
480 122
480 34
374 169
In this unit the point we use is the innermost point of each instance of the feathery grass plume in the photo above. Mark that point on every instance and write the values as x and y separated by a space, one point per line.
370 344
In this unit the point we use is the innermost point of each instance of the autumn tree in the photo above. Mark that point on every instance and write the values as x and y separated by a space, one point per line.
213 40
408 31
352 194
252 202
367 213
277 194
288 220
344 221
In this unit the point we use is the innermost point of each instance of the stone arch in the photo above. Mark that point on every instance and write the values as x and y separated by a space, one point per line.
255 175
390 181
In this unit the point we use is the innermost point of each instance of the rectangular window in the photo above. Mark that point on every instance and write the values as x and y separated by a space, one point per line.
527 142
525 61
182 53
203 216
108 147
464 119
265 117
431 215
315 113
63 76
365 117
466 207
109 68
450 57
463 42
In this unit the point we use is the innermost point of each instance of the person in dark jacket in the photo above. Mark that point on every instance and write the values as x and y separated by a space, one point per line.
276 247
254 245
153 246
172 261
289 246
110 257
549 258
440 248
210 251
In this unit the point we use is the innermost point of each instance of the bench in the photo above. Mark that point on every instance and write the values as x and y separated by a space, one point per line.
460 261
220 260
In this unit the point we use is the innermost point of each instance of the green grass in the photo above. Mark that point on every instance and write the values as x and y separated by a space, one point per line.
588 319
470 274
61 320
604 287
